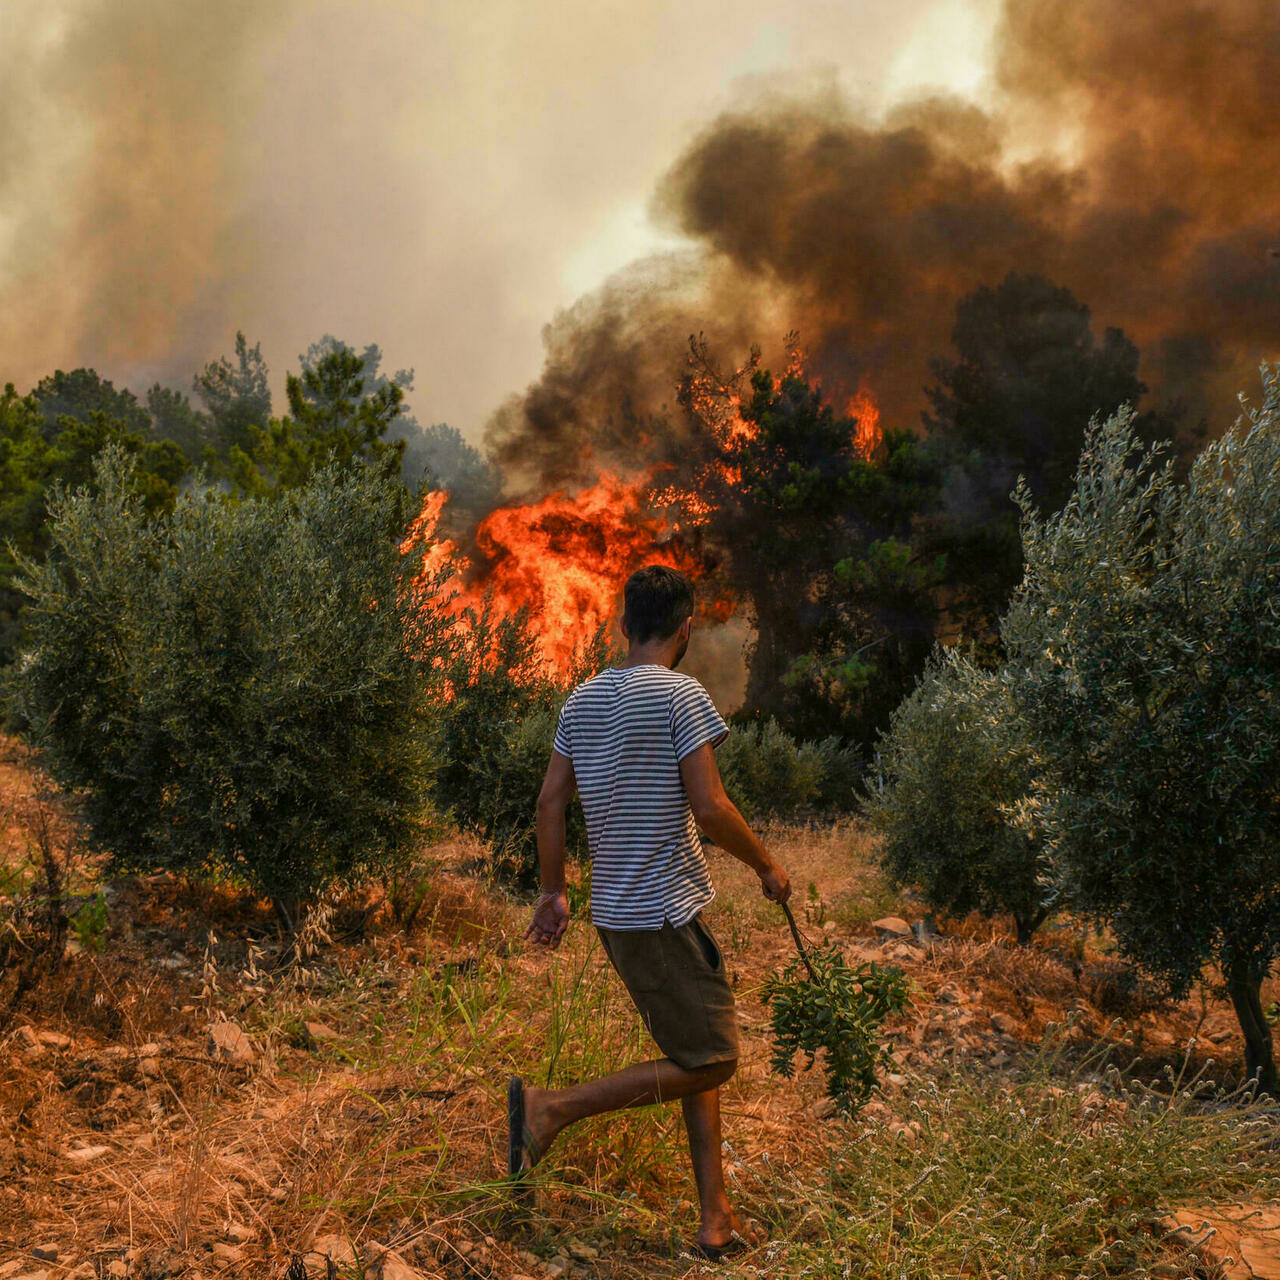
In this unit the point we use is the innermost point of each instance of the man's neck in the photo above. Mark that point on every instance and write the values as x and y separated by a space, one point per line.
653 653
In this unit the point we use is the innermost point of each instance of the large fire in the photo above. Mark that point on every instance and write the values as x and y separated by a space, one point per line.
566 556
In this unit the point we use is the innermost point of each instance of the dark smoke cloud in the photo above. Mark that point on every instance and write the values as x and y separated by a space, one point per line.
1132 154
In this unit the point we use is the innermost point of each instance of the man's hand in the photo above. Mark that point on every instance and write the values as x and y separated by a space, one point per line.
550 920
775 884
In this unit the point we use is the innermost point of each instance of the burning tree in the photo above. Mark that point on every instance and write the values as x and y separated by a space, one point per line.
1144 661
813 510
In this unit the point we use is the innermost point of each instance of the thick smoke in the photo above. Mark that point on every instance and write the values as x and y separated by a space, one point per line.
116 177
1133 155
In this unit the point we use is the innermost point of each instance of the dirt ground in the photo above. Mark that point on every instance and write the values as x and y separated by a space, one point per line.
178 1104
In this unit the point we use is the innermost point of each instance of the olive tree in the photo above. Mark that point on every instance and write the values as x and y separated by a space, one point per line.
237 687
1144 660
954 766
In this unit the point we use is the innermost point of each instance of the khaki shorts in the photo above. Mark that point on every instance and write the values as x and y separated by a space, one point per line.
677 980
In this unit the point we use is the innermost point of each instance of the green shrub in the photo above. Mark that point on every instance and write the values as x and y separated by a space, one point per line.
953 764
840 773
837 1010
236 687
765 771
1144 659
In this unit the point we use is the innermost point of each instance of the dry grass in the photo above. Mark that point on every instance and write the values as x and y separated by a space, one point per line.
391 1133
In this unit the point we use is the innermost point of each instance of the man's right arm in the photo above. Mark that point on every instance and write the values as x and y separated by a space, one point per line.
718 816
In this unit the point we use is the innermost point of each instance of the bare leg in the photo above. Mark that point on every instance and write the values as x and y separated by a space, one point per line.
547 1111
702 1122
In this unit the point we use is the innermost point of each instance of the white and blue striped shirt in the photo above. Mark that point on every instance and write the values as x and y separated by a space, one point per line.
626 731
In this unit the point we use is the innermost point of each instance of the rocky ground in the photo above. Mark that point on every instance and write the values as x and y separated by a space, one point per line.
181 1103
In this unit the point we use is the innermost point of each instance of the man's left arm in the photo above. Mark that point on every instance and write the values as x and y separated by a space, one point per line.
551 911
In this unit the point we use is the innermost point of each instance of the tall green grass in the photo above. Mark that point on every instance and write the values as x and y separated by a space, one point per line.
1065 1173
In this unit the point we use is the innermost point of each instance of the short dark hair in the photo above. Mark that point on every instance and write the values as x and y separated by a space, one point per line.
656 600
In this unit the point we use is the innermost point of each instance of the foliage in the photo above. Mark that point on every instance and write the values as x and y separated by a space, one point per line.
439 458
768 773
89 924
1059 1172
237 396
1144 658
84 393
175 418
819 538
337 413
36 455
837 1010
840 771
1027 377
953 763
236 687
496 736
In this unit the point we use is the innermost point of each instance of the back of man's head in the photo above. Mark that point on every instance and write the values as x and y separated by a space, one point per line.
656 600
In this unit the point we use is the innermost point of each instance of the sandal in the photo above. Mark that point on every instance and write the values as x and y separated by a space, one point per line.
520 1142
715 1252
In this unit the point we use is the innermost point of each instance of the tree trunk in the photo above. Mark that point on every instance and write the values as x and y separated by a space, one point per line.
1027 925
1244 984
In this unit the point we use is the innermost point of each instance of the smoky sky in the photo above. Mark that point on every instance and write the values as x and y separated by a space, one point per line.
437 177
1129 152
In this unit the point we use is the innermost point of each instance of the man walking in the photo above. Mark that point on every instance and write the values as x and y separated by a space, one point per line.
637 742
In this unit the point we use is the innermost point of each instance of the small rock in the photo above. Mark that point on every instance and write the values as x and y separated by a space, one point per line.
394 1267
336 1247
148 1050
891 927
118 1269
319 1033
45 1252
555 1268
29 1037
239 1232
949 993
925 930
228 1042
1002 1023
149 1066
999 1059
54 1040
586 1252
228 1252
898 1081
83 1155
823 1109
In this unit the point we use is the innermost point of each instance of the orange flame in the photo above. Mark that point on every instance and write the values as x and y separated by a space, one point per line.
863 407
564 557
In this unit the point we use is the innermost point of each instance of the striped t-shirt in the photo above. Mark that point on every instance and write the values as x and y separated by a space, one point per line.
626 731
